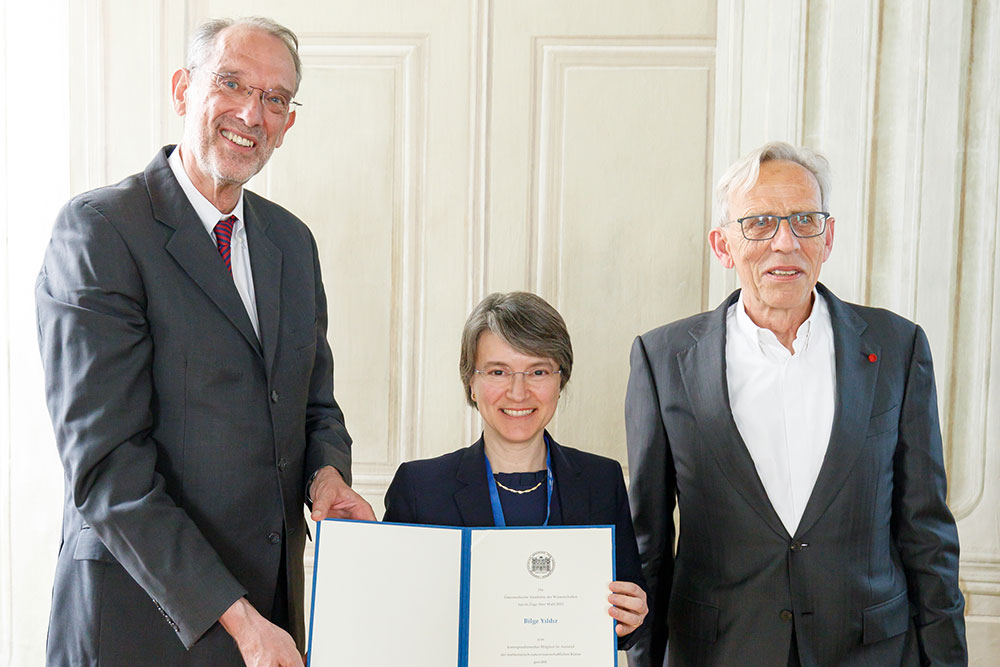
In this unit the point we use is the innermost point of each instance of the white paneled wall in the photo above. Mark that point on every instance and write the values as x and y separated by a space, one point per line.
450 148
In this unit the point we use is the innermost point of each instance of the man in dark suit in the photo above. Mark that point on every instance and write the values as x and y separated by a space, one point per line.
182 325
799 436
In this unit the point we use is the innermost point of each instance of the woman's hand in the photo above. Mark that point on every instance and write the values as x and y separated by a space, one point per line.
629 608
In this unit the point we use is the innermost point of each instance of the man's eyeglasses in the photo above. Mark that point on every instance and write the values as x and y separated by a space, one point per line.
537 377
274 101
764 227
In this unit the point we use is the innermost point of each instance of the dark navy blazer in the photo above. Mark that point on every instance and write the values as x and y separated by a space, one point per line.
451 490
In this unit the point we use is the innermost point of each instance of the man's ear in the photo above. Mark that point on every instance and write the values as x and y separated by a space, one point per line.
291 121
720 246
179 84
828 239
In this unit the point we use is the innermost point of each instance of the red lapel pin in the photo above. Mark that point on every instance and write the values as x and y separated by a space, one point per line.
872 357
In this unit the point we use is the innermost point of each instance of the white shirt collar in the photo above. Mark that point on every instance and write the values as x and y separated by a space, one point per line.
765 340
207 213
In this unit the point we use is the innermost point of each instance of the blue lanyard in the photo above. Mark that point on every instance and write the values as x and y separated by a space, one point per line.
498 519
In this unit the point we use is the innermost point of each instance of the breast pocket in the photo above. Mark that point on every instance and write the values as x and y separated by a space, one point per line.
304 346
883 422
300 341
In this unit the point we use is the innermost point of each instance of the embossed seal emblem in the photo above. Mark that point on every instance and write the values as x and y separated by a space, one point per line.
541 564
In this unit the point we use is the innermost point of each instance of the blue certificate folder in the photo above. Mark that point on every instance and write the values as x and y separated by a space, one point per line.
400 594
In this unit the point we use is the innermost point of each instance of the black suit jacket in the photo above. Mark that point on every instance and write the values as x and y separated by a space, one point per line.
186 441
451 490
870 576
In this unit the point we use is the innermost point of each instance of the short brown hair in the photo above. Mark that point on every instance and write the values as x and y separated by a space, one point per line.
523 320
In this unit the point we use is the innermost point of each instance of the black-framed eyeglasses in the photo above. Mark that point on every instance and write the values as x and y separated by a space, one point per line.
764 227
273 100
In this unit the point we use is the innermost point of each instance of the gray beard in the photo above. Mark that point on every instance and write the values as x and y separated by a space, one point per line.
209 159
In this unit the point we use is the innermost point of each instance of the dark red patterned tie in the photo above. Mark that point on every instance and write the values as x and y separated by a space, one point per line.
223 239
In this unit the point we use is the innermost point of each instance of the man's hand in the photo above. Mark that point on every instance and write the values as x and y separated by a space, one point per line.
333 499
261 643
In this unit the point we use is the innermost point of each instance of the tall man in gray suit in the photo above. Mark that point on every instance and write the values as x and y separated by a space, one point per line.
798 434
182 324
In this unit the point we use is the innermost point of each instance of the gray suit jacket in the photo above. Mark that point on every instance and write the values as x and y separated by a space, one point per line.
186 442
870 576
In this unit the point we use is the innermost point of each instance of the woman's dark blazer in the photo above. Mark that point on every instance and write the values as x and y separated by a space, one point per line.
451 490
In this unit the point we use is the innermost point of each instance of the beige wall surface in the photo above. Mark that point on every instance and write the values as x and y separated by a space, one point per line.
450 148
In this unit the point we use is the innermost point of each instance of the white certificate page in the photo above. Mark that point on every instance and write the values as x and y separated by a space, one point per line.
540 597
385 594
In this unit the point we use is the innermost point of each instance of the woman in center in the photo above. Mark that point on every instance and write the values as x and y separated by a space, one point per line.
516 357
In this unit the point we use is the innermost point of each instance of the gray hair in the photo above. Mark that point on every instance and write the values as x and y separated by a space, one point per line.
202 43
742 175
523 320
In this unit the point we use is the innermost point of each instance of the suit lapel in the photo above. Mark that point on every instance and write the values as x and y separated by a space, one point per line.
192 247
265 263
703 371
473 498
856 377
573 490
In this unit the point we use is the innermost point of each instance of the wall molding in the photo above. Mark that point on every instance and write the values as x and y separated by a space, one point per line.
980 573
88 93
978 286
553 59
479 165
406 57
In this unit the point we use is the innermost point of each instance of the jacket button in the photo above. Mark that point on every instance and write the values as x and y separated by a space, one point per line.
282 464
785 615
274 538
274 395
797 546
